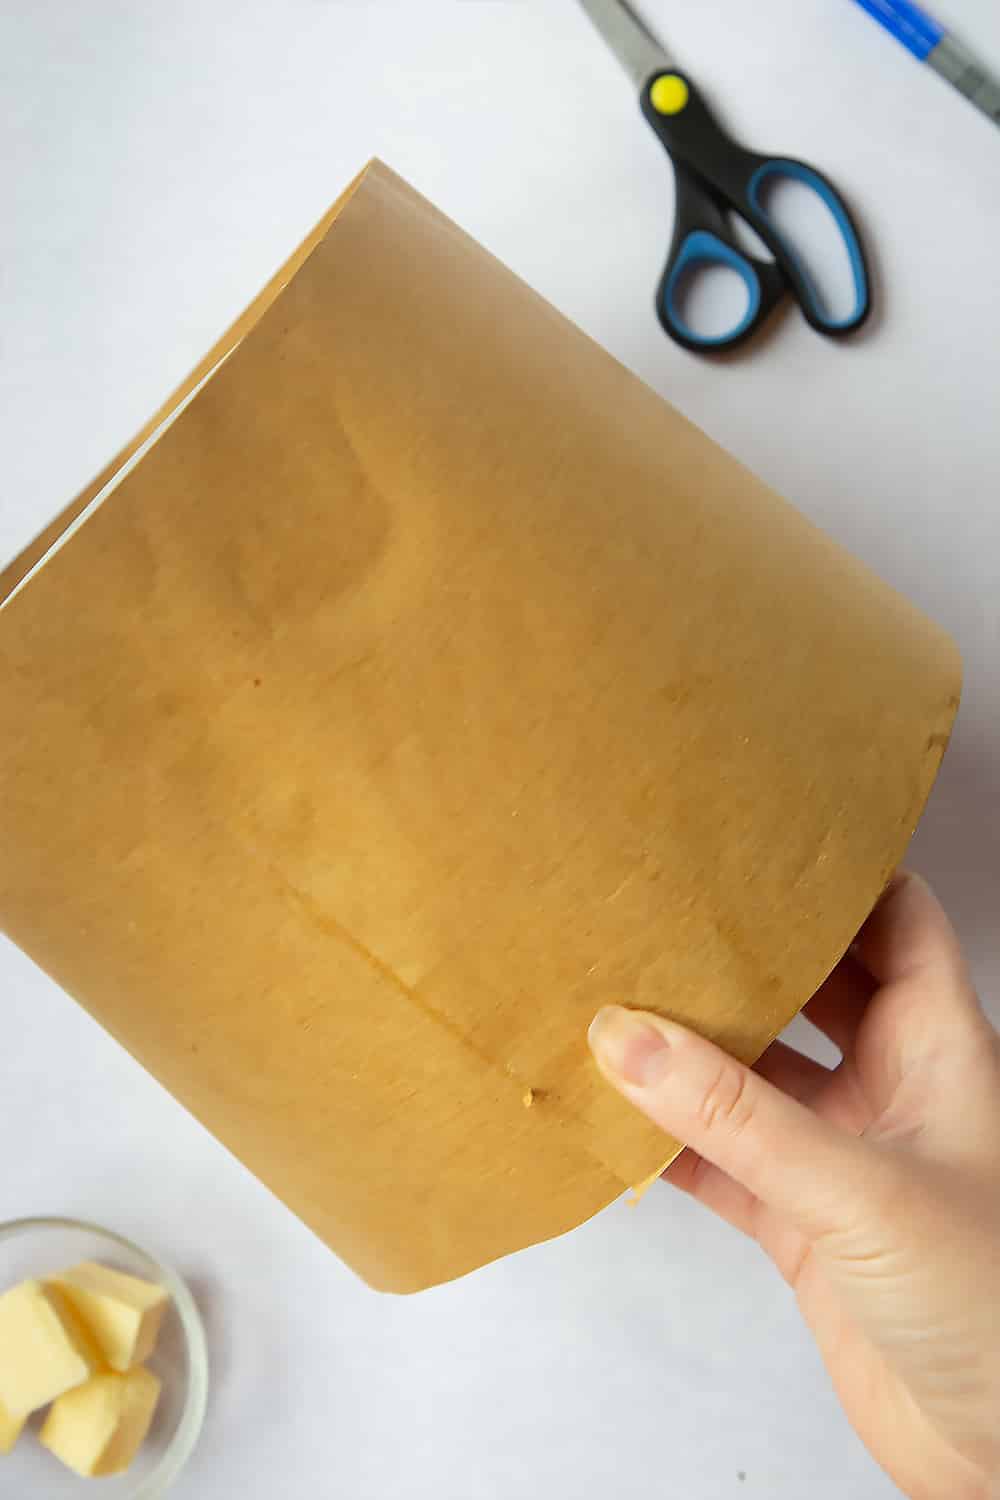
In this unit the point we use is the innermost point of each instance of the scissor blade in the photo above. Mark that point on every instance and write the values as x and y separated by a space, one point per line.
638 51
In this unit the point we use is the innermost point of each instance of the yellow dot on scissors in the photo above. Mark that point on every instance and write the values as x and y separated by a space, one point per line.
669 94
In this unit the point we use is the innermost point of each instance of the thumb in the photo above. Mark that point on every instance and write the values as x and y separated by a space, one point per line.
815 1176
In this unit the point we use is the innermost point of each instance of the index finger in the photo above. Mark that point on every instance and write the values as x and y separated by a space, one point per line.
908 934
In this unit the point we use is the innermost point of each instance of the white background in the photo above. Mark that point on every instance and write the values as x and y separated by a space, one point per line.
157 163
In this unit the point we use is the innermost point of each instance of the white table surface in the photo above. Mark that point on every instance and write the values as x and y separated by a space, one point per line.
157 163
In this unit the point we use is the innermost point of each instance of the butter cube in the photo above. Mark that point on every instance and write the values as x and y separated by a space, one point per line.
122 1312
98 1428
10 1429
44 1350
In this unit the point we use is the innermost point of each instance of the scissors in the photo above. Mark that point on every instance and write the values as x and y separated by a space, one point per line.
717 177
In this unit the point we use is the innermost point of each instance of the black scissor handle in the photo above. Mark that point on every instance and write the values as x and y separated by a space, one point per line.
702 238
715 175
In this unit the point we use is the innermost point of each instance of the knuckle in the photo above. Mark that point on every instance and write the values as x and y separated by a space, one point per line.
728 1102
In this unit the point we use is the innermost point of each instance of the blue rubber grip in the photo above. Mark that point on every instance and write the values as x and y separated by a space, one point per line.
908 24
705 249
799 172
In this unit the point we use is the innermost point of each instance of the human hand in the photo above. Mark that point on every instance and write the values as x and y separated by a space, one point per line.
874 1187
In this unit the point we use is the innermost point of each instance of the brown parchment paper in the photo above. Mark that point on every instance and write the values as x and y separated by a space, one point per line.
427 684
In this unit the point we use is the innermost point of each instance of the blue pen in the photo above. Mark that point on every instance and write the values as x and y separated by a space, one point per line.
928 40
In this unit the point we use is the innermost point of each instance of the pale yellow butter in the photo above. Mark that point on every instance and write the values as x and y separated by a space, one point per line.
123 1313
44 1349
98 1428
10 1429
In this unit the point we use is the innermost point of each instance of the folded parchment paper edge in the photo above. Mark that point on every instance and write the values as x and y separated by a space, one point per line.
37 551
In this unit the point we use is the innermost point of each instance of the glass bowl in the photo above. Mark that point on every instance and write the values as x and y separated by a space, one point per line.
36 1248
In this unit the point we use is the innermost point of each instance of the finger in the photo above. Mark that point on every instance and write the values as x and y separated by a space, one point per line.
838 1006
714 1189
908 934
792 1072
796 1075
832 1093
797 1164
926 1022
735 1204
842 1101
